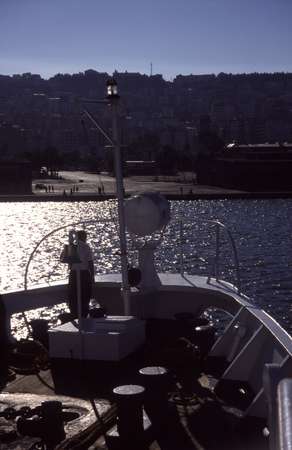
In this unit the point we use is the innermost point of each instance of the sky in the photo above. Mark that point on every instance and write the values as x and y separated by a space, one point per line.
177 36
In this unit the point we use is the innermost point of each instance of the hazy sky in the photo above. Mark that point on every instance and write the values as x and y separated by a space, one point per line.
177 36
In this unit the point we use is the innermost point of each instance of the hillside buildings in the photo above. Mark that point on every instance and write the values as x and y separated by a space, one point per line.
38 117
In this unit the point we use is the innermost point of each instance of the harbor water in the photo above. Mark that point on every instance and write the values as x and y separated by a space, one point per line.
261 230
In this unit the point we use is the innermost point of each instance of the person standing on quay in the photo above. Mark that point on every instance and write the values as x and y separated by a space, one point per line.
86 268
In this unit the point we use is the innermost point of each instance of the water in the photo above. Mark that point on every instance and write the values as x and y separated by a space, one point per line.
261 228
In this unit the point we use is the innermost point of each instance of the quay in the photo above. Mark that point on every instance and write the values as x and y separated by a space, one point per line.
78 186
89 197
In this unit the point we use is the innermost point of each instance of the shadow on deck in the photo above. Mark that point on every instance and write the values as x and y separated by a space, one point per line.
193 415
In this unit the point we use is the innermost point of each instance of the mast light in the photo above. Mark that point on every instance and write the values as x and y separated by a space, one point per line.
112 89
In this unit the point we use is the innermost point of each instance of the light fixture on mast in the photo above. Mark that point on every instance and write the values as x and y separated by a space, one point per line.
112 89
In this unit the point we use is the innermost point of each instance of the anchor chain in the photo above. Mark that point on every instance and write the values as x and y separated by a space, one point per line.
11 413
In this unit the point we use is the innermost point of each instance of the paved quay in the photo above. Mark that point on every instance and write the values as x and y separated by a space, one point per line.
85 186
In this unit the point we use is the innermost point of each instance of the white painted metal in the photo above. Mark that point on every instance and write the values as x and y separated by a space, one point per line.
147 213
149 277
107 339
121 213
242 365
273 374
197 296
220 226
262 342
284 419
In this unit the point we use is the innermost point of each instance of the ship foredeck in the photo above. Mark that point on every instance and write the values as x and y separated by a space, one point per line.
194 415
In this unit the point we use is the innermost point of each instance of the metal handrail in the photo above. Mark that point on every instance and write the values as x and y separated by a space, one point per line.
49 234
81 222
34 252
182 259
219 225
235 255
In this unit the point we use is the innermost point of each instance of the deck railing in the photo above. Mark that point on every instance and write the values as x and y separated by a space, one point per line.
218 226
215 271
36 247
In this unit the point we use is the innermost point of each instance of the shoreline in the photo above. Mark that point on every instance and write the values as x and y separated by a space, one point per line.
76 186
87 197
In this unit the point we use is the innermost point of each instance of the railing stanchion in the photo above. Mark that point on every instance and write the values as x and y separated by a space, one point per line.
217 256
235 261
217 251
181 249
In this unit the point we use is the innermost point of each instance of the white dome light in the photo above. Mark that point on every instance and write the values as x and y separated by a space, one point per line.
146 213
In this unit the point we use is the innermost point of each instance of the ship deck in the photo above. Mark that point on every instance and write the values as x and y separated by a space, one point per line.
194 416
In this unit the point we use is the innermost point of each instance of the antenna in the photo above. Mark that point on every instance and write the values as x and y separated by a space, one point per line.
151 69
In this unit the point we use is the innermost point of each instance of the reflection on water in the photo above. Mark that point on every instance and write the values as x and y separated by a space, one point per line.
23 225
261 228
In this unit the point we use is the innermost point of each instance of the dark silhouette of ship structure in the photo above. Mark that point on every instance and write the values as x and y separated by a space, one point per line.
250 167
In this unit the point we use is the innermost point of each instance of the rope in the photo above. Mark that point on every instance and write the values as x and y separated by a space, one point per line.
44 382
87 437
29 357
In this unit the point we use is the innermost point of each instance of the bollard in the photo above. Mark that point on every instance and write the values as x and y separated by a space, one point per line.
133 429
205 338
156 381
52 416
129 400
49 426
